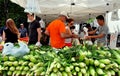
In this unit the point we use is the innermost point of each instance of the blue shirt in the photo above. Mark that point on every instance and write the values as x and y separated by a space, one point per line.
22 32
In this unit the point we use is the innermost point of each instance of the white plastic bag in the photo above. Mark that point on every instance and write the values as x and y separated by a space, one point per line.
38 44
89 42
10 49
86 31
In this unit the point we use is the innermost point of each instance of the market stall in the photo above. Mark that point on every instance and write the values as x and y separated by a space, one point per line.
78 60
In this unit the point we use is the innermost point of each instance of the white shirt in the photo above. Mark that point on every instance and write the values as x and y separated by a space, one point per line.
68 40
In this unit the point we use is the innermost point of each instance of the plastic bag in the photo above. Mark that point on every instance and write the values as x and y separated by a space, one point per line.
10 49
89 42
75 42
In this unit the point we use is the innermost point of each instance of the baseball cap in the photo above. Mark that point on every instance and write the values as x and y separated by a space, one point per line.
30 13
64 14
21 24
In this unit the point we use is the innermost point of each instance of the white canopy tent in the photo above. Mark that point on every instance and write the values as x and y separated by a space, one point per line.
113 21
80 10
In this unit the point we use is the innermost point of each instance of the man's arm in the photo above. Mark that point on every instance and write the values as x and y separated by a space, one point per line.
3 36
68 33
26 32
39 34
95 36
64 35
92 32
46 32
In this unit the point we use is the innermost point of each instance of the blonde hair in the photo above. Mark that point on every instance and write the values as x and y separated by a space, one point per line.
11 25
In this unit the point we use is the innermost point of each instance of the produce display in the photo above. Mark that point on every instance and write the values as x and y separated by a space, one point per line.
81 60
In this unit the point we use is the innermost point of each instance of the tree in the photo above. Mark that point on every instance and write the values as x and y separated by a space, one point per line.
11 10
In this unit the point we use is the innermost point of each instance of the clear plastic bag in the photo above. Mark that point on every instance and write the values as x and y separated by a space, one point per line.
10 49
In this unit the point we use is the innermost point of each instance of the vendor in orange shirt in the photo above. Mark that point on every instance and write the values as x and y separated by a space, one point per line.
57 32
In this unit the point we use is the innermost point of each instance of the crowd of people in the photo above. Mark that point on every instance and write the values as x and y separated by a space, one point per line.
59 33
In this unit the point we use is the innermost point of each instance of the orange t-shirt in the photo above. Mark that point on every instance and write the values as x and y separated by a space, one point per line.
55 28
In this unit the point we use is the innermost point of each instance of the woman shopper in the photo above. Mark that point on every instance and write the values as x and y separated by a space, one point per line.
11 33
68 41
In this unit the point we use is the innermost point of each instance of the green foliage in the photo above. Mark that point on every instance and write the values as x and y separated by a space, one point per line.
11 10
44 61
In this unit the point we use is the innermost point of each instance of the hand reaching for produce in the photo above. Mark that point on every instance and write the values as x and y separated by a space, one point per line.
74 36
87 37
38 44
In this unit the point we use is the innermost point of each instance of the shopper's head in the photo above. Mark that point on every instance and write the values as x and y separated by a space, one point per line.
63 16
88 27
70 22
30 16
10 24
22 25
100 20
73 27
